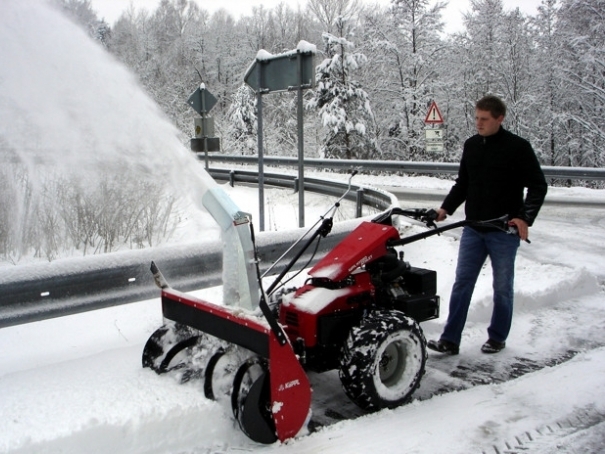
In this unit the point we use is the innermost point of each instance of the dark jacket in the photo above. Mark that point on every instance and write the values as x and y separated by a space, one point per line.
494 171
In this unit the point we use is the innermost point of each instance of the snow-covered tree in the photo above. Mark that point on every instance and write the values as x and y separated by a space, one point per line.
517 76
550 118
499 57
581 32
81 12
335 16
343 106
241 134
409 49
485 48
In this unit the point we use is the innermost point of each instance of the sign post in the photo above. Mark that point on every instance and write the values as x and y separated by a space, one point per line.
434 133
269 73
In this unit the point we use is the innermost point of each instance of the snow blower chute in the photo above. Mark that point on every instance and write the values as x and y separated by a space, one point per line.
358 312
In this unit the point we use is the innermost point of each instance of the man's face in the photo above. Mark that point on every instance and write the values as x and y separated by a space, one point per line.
486 124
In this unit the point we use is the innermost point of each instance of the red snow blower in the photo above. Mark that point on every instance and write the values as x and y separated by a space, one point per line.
358 312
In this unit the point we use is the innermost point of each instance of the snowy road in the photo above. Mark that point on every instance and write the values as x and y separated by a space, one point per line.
75 384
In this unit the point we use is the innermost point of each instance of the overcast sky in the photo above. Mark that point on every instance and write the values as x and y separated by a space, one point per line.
111 9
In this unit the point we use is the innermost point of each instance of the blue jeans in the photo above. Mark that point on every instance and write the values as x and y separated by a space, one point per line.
474 249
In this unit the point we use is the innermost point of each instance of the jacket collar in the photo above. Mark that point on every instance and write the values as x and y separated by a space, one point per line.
496 136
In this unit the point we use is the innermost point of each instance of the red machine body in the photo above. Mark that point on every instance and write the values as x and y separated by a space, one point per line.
365 244
343 287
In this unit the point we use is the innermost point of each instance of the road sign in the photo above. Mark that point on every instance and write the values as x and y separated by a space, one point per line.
433 135
205 144
281 72
204 127
434 116
434 147
201 100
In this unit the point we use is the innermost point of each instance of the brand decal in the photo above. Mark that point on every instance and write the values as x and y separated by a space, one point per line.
363 261
288 385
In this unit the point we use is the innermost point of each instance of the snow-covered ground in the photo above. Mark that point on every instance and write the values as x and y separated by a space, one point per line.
76 384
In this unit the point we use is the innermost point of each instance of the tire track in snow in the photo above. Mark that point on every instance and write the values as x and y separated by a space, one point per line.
547 438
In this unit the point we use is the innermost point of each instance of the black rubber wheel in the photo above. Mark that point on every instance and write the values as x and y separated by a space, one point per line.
383 360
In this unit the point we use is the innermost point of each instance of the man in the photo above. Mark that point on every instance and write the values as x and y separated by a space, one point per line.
495 169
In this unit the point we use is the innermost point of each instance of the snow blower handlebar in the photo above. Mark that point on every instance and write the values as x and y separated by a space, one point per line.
428 218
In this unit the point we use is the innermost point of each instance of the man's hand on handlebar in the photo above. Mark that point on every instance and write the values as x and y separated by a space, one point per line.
521 226
441 215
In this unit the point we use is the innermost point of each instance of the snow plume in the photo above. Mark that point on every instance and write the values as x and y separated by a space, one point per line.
67 108
70 114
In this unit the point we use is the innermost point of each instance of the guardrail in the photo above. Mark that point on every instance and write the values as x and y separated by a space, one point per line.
361 195
571 173
37 292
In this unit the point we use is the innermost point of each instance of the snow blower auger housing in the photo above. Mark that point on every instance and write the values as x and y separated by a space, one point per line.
358 313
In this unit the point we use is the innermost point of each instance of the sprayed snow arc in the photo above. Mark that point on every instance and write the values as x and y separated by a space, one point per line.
95 115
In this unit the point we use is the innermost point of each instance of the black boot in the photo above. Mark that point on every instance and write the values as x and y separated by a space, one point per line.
492 346
443 346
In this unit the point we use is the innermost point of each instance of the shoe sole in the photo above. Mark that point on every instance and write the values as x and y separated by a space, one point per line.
491 351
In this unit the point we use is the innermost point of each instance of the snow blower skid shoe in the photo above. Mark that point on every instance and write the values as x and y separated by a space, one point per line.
271 394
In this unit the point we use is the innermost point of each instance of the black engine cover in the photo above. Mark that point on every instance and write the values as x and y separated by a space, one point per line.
415 294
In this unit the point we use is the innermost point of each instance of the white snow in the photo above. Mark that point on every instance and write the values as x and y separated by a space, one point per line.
76 383
305 46
302 47
316 299
263 55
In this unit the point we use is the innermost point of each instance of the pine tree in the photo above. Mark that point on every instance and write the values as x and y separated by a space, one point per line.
343 106
242 122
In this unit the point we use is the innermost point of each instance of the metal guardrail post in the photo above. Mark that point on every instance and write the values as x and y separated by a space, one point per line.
359 202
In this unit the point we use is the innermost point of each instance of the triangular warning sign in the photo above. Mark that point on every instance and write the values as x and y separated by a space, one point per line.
434 116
